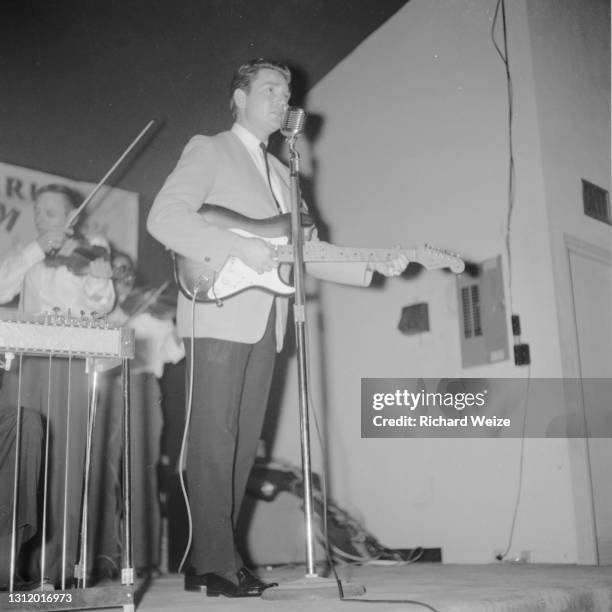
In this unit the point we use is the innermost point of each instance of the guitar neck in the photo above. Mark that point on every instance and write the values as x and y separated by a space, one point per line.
323 251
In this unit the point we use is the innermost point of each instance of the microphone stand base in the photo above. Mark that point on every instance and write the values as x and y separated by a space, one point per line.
312 587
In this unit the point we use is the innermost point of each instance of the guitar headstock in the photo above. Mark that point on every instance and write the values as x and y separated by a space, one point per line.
433 258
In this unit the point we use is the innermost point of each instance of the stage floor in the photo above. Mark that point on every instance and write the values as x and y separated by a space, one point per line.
503 587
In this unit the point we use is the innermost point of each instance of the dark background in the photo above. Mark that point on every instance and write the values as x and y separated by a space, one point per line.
81 79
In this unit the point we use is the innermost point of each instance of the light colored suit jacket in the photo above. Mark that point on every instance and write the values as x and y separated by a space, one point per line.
219 170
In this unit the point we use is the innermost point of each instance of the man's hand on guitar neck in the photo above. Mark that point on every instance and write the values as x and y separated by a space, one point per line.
255 253
392 267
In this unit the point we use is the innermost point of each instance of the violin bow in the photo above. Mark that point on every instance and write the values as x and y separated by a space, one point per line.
149 299
97 188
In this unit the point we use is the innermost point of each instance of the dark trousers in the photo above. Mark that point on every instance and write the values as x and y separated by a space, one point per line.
29 469
230 394
66 451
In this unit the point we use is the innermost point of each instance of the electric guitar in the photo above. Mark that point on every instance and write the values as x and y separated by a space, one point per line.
198 281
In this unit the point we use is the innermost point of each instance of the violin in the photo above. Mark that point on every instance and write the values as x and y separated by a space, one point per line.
154 301
76 254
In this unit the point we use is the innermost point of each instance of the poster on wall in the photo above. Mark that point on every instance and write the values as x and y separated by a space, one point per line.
112 213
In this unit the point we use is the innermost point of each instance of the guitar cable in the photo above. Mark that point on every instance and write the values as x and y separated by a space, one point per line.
188 407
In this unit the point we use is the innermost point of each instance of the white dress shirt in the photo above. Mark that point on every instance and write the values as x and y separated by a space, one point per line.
42 287
253 146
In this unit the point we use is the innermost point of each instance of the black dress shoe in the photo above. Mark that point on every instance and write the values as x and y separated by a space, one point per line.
250 582
214 585
211 584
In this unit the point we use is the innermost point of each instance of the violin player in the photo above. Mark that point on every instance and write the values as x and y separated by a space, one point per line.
45 276
47 272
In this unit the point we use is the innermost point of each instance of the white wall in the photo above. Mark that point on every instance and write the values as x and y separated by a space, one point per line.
414 149
571 42
572 88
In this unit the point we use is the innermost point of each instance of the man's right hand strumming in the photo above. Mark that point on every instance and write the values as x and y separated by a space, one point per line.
255 253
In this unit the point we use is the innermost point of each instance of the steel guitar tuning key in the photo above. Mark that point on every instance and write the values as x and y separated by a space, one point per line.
8 359
84 321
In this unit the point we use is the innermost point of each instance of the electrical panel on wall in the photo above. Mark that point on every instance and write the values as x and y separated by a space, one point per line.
483 328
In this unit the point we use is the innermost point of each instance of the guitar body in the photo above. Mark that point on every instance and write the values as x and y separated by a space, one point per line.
195 278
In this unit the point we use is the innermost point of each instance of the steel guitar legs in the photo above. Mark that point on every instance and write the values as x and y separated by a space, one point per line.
52 385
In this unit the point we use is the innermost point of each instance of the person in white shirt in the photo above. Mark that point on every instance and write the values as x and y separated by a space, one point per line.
234 346
49 273
156 343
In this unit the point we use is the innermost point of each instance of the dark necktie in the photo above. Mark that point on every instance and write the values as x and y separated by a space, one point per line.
264 150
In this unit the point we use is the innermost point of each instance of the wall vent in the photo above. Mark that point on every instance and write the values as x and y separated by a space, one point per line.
596 202
470 300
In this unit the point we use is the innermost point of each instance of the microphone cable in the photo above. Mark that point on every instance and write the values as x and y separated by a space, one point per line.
324 492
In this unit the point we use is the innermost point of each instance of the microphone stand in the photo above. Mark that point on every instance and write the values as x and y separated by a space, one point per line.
311 586
299 315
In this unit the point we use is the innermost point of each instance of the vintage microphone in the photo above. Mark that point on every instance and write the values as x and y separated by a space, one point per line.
294 121
312 585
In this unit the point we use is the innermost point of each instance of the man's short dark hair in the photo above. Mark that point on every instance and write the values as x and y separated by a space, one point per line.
73 197
243 77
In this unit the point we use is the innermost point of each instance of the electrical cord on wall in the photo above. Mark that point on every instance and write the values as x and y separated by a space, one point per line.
511 169
500 556
503 54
